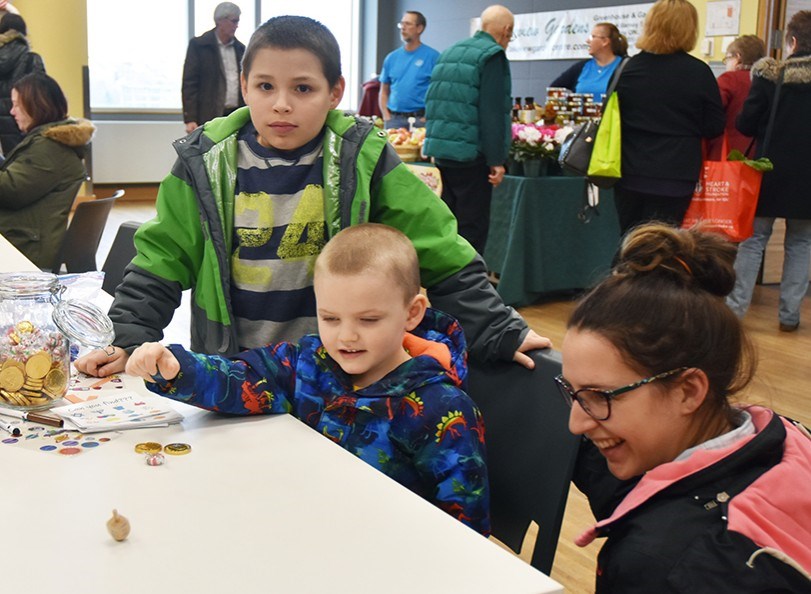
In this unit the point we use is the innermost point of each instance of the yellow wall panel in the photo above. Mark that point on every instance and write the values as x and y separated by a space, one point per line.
57 30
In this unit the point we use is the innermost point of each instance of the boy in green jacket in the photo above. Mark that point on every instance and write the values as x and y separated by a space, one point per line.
254 197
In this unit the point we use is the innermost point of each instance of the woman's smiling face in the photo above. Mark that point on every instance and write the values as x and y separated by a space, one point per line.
647 426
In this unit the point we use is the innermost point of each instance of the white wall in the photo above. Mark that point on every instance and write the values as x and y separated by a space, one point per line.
134 152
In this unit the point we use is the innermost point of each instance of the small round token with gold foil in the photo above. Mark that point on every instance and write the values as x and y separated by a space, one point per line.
148 447
25 327
55 381
11 378
177 449
38 365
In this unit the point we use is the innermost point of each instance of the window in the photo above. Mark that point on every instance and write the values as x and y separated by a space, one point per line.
137 66
342 18
136 62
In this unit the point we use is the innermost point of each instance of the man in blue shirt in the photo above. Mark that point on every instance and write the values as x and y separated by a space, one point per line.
406 74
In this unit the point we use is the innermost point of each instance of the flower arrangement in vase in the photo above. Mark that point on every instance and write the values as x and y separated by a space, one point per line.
536 143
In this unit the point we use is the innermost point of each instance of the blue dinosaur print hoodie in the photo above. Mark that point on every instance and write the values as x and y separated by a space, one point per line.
416 424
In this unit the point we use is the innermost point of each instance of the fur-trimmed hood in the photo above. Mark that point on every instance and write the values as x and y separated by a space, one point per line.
798 70
13 47
11 35
71 132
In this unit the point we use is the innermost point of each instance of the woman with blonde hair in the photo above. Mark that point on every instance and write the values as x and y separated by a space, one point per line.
669 102
693 492
734 84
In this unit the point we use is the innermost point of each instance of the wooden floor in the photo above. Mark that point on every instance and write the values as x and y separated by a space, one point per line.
783 382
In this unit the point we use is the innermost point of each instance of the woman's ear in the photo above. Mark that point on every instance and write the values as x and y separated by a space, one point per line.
694 388
416 311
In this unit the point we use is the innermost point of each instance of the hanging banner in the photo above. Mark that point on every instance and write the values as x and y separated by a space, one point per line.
563 34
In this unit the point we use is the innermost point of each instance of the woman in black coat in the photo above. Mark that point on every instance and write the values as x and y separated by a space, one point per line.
784 192
16 60
669 102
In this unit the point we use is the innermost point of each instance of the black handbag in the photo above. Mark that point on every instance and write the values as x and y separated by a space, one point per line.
575 152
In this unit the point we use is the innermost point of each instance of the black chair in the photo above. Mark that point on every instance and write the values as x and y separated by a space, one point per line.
78 251
530 452
122 251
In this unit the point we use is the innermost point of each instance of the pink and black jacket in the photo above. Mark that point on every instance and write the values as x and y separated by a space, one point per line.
736 519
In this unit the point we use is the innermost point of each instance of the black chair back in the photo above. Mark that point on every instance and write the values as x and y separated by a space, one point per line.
78 251
530 452
121 253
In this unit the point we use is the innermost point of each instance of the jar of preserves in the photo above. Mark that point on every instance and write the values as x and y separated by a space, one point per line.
38 333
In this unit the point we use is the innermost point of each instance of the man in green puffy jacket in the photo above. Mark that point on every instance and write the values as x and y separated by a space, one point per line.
253 198
468 129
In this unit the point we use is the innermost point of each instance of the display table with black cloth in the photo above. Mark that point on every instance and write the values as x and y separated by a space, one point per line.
538 244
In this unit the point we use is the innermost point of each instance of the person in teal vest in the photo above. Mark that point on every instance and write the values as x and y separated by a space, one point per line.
468 109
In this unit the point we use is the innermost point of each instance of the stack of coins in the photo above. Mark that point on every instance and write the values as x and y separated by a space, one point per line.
34 382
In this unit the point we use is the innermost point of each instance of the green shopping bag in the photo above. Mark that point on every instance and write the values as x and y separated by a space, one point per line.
605 167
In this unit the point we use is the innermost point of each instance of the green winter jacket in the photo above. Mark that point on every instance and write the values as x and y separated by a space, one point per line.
189 243
38 182
455 124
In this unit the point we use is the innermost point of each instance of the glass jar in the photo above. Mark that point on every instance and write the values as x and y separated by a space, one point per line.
37 331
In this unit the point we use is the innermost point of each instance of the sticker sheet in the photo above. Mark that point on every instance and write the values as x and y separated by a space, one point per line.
53 440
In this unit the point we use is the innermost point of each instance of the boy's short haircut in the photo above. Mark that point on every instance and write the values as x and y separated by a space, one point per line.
296 32
376 248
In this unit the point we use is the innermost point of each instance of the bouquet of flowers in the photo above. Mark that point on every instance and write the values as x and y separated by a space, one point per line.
537 141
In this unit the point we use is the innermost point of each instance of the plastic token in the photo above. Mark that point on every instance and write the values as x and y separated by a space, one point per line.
149 447
177 449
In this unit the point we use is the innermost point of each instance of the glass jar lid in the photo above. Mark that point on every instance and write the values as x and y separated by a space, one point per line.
28 284
84 323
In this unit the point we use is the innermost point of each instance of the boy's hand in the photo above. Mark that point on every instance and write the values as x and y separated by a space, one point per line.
531 342
151 359
100 363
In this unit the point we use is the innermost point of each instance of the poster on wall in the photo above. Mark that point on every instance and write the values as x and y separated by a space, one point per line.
723 18
563 34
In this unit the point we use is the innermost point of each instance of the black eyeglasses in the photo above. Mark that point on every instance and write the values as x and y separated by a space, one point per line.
596 402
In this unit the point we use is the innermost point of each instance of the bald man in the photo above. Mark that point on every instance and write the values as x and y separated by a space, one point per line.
470 138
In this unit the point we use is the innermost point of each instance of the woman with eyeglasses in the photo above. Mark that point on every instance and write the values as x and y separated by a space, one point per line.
734 85
692 492
607 47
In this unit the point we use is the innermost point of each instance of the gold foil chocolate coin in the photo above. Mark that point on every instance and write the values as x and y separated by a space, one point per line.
177 449
13 363
55 381
148 447
11 379
38 365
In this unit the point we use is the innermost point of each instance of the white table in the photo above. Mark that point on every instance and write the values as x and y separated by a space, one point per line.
262 504
12 260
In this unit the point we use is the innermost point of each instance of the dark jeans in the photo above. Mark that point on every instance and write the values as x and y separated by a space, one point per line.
635 208
467 192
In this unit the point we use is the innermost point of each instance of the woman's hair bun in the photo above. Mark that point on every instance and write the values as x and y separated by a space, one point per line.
690 257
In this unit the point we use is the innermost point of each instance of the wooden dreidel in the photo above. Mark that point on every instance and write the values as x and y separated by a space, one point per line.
118 526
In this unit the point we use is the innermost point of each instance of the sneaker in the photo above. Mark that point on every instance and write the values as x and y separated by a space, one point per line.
789 327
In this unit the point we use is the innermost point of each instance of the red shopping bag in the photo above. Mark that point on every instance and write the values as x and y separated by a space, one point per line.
725 198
